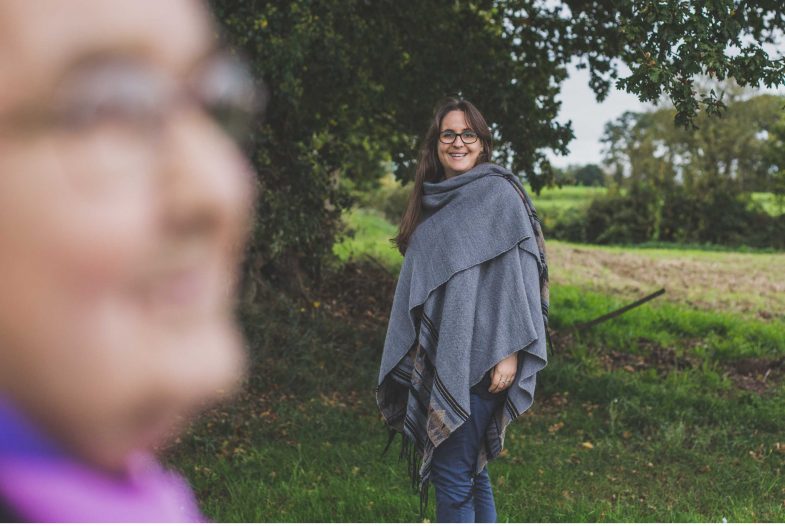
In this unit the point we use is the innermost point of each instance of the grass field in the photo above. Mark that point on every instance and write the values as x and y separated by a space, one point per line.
746 283
554 201
674 411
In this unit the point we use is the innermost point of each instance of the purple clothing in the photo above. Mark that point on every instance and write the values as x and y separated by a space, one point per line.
39 482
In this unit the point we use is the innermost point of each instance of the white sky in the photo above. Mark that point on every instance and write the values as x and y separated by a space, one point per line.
589 117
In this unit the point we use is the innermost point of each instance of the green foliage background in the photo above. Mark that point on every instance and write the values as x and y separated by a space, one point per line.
352 87
353 84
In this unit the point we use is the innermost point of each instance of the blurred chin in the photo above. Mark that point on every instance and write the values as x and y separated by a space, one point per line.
144 391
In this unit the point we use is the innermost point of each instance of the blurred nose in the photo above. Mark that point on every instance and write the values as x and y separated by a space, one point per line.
208 189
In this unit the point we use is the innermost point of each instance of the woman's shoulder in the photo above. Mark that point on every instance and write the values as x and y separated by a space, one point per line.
499 186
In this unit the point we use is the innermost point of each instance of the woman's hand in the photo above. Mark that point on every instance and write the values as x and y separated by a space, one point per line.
504 373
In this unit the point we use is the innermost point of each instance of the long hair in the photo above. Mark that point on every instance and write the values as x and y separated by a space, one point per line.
430 169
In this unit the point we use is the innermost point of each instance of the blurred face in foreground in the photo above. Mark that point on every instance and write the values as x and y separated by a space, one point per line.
124 208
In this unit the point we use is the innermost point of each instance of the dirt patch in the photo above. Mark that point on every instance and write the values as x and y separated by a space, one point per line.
652 356
752 284
757 375
362 291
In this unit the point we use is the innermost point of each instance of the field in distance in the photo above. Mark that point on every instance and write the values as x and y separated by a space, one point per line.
745 283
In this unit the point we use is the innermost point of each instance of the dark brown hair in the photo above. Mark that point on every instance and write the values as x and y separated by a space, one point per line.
430 169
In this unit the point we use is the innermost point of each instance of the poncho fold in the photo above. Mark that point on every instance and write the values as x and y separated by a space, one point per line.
473 289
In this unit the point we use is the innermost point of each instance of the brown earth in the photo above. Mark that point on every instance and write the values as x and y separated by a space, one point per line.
752 284
751 374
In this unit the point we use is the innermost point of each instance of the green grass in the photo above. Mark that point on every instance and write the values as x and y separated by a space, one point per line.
554 201
614 434
368 233
680 445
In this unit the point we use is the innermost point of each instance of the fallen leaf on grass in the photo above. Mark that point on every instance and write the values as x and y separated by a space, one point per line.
629 368
779 448
587 445
555 427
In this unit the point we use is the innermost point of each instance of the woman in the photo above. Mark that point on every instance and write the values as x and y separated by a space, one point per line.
124 207
468 324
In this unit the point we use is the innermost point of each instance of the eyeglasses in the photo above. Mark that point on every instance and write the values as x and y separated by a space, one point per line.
120 107
449 136
126 95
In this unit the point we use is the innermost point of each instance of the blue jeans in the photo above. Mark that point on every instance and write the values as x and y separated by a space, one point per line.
460 496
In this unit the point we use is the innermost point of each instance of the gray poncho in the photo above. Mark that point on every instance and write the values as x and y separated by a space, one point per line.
472 290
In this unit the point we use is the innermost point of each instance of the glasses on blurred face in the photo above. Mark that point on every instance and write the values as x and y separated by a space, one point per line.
449 136
127 92
108 115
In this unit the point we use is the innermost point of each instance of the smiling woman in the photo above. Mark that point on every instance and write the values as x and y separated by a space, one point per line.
468 325
458 146
124 207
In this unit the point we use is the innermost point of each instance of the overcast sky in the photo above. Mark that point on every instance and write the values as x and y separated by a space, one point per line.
589 117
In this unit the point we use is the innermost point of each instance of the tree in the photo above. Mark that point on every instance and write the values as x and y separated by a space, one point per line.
353 83
589 175
774 154
696 183
731 154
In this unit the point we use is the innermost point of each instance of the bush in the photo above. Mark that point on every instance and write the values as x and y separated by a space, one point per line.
389 198
617 218
569 225
644 215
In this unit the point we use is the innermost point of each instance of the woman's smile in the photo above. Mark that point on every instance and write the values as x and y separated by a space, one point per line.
457 157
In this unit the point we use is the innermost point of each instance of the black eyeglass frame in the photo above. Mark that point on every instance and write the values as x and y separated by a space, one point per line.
462 135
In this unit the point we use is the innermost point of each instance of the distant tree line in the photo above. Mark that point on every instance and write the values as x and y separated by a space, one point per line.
580 175
692 185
